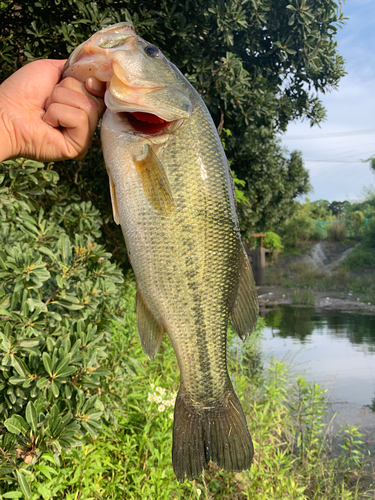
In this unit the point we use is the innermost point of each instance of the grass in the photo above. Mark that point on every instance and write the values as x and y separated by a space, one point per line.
132 457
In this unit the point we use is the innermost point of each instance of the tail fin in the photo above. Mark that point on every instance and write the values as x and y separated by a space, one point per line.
217 432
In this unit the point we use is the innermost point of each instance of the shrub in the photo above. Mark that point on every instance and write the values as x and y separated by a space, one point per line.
57 292
297 231
272 242
357 223
336 231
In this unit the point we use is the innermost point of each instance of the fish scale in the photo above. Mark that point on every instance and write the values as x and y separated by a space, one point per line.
173 196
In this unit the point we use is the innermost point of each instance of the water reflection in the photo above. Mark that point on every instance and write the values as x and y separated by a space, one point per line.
334 349
300 323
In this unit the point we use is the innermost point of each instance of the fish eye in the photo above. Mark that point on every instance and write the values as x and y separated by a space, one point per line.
152 51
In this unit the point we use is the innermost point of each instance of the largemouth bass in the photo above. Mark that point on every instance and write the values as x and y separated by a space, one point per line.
172 193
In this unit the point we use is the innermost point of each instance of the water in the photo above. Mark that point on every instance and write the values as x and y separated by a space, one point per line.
335 349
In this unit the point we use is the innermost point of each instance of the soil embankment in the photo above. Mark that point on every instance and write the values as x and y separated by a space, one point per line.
270 296
323 257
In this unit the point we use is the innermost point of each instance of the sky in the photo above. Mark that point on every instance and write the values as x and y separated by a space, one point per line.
348 133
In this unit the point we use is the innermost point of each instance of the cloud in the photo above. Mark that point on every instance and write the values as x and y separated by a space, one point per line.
350 108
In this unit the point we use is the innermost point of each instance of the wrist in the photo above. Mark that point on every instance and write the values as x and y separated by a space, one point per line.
6 150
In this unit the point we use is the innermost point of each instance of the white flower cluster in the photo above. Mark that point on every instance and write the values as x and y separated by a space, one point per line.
158 397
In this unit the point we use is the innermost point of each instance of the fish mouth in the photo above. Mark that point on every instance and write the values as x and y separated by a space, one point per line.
146 123
140 123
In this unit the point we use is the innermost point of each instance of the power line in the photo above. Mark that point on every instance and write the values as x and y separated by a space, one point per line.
334 134
336 161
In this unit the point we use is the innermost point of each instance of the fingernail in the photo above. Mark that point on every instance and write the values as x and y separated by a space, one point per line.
94 84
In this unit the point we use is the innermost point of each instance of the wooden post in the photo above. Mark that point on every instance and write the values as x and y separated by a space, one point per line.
258 261
258 264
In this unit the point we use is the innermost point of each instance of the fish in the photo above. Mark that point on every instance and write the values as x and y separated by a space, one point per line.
173 195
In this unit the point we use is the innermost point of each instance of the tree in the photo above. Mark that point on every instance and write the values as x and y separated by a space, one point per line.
338 207
258 65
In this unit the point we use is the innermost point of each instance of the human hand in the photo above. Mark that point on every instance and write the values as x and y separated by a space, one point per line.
45 120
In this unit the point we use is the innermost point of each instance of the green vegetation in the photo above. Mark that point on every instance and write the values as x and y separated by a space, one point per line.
352 226
58 290
84 413
132 456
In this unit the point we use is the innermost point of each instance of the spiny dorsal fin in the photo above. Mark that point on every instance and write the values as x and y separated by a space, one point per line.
154 181
149 331
245 309
112 190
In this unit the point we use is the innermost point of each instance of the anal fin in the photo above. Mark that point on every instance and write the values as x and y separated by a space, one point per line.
245 310
149 331
154 181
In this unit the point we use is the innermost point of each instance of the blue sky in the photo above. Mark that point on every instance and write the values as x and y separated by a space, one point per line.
350 109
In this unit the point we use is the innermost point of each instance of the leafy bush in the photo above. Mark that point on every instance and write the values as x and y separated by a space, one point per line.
357 223
272 241
297 231
336 231
57 292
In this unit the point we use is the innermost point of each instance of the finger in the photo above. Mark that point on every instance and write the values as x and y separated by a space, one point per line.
76 132
72 98
93 106
76 85
96 87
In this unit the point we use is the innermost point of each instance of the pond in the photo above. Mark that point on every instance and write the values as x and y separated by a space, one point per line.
334 349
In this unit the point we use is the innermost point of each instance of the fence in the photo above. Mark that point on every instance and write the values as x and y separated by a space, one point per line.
323 225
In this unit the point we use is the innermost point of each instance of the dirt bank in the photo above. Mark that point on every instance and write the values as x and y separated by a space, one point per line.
270 296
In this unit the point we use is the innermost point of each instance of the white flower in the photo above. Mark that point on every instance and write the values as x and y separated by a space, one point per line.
199 492
152 386
158 399
161 408
150 397
166 402
173 401
173 395
171 416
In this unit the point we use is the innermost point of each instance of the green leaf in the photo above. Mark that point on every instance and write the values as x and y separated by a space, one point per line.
47 362
42 383
16 425
29 343
46 470
31 416
20 366
24 485
66 373
6 470
62 365
12 494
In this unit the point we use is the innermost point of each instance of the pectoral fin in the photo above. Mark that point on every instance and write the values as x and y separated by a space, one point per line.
112 190
149 331
154 181
245 309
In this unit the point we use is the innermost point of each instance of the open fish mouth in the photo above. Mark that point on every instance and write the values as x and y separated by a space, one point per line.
146 123
140 123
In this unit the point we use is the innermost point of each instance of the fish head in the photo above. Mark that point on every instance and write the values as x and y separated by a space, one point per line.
142 85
